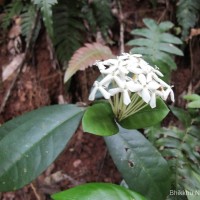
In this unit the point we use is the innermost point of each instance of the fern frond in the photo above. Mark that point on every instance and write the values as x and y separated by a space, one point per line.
180 148
27 22
156 44
187 14
98 15
86 56
46 9
68 29
12 9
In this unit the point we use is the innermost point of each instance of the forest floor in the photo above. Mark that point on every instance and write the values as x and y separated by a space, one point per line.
85 159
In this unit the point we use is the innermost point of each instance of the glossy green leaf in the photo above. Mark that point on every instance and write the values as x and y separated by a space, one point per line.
31 142
99 120
146 117
98 191
141 165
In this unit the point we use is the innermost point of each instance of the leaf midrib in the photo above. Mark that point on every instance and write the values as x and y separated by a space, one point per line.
35 144
141 164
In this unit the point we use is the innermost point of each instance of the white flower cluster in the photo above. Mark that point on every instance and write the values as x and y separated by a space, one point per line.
129 74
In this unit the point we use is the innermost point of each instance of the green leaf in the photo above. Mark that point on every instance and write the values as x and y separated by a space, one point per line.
170 48
141 165
166 70
156 43
146 117
194 104
151 24
157 55
31 142
99 120
189 8
192 97
165 26
181 149
141 42
12 9
28 17
92 13
46 8
192 195
98 191
182 115
68 29
195 98
166 59
169 38
143 32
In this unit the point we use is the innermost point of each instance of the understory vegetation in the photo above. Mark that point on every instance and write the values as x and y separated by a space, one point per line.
136 62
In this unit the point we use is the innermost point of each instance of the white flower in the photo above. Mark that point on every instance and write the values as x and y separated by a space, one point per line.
126 56
128 74
124 91
98 86
162 83
168 92
113 76
134 68
152 102
146 87
100 65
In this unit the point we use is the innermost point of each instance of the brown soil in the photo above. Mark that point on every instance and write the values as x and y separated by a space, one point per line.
85 159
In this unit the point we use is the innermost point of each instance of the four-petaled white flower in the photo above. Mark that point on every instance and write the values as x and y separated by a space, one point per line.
100 87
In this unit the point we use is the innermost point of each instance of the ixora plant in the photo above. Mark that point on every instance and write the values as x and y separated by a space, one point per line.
134 94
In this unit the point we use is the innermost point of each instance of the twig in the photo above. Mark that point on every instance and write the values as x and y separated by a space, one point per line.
72 180
101 165
21 65
196 86
35 192
190 89
121 21
164 13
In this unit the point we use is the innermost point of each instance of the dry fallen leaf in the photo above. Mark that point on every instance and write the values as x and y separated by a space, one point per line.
12 66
